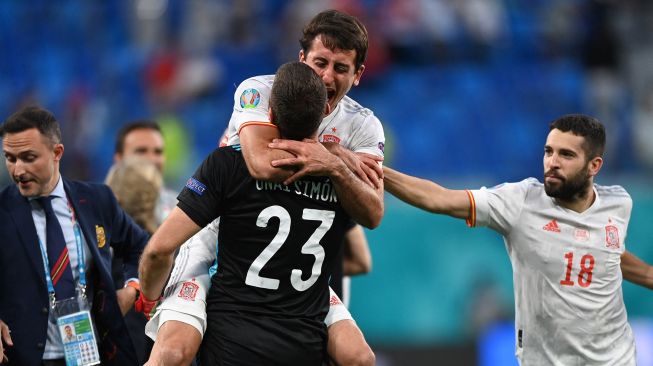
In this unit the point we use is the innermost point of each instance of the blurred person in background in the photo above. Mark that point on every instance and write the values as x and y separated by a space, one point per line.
139 159
57 236
566 241
136 183
334 44
144 138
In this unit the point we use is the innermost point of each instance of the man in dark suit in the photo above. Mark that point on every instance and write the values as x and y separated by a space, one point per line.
33 150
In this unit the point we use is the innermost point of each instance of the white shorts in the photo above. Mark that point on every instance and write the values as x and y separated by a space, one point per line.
181 308
337 310
184 298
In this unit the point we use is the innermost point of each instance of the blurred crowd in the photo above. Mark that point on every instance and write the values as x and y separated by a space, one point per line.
479 77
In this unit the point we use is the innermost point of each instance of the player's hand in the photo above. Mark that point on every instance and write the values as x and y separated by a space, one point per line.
365 166
311 158
371 165
146 306
5 338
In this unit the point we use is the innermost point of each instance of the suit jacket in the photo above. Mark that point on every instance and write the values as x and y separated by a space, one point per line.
23 291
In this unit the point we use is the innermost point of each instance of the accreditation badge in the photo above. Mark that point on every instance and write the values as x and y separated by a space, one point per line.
73 319
79 343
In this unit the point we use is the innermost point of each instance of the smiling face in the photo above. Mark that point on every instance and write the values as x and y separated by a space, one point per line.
336 67
568 173
32 161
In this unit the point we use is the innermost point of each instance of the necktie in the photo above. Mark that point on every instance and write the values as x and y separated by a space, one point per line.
60 272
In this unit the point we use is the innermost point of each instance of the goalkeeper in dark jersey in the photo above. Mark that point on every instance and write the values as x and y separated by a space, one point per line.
277 244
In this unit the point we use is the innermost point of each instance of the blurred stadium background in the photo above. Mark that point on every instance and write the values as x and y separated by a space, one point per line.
465 89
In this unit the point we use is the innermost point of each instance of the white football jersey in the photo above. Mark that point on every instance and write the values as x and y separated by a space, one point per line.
349 124
566 272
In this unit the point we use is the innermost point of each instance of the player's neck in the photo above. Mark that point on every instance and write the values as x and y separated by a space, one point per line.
581 201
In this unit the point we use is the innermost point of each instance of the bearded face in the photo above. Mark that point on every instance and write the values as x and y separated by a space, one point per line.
568 172
567 188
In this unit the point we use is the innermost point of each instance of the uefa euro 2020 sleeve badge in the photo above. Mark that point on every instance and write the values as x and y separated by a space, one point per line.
101 238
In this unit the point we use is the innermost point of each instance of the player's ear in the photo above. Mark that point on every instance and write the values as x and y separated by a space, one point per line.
358 74
595 165
327 109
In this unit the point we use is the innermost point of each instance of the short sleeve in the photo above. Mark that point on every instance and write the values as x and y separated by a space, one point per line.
369 137
203 193
499 207
251 102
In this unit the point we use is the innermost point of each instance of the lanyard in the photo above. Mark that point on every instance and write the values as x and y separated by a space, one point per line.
80 259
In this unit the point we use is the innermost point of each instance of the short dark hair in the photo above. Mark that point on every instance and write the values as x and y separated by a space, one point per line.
298 100
33 117
585 126
339 31
141 124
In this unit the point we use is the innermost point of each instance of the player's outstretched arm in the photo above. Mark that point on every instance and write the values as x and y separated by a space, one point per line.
426 195
156 261
636 271
357 259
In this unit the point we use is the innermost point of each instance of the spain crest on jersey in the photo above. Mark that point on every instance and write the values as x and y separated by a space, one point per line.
612 237
188 291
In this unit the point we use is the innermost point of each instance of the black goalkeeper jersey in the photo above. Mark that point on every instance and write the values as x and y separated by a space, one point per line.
277 244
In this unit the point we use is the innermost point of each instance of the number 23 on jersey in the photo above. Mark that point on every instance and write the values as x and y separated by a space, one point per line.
311 247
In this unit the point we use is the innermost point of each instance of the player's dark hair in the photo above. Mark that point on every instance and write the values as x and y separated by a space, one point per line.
339 31
33 117
125 130
587 127
298 100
